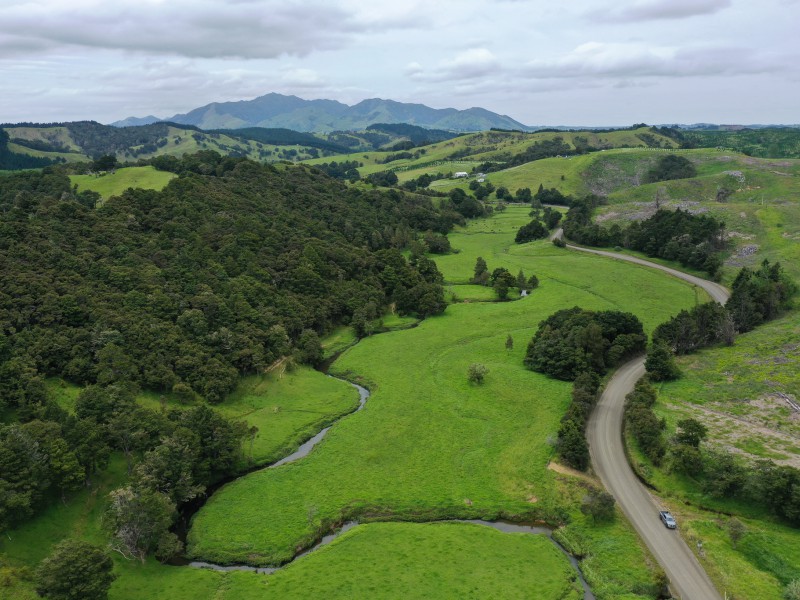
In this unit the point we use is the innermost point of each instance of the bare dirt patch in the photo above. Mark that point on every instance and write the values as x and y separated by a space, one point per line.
767 423
743 256
564 470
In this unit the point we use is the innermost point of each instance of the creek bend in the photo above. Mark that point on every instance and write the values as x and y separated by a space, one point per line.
503 526
190 509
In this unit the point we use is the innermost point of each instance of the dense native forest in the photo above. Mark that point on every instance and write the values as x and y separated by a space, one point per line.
219 274
231 267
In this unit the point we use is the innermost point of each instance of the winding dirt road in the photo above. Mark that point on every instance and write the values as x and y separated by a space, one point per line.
687 578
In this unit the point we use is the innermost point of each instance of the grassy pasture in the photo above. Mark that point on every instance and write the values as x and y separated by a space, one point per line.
67 156
50 135
113 184
446 448
429 560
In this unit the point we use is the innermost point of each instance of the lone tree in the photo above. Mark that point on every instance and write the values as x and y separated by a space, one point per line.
481 276
598 504
691 432
76 570
736 530
477 372
509 342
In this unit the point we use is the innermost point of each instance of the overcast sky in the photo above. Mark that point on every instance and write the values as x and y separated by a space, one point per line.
582 62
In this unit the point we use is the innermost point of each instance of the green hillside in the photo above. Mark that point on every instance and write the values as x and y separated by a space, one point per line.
472 150
113 184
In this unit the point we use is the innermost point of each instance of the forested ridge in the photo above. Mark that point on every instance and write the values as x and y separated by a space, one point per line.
229 268
217 275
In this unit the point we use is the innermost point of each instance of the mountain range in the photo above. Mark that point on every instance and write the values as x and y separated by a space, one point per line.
291 112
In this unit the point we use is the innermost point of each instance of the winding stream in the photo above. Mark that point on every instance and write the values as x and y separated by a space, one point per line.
305 449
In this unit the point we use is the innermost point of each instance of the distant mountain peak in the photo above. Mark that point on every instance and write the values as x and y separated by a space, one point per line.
281 111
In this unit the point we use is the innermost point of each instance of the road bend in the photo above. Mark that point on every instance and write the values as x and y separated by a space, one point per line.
688 580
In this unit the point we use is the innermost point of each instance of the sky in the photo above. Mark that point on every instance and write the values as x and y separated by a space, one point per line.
582 62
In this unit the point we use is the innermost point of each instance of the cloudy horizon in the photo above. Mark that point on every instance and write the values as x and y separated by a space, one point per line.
653 61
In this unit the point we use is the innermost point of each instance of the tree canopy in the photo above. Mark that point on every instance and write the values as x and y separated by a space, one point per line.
217 275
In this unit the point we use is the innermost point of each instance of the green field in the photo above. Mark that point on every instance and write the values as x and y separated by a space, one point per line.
447 448
113 184
432 560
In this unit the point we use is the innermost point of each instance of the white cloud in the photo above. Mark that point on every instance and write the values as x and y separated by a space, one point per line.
626 60
655 10
191 28
469 64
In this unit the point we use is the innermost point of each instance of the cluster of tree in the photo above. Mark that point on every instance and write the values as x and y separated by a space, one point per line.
760 295
578 224
692 240
481 191
757 296
50 453
215 276
701 326
346 169
670 166
12 161
501 279
396 156
550 216
642 422
571 442
572 341
421 182
195 448
522 195
762 482
467 206
502 193
37 465
436 243
535 230
382 178
75 570
551 196
543 220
